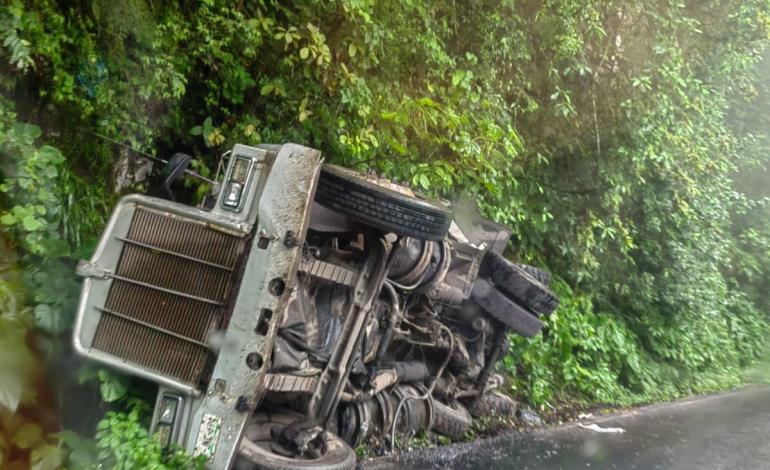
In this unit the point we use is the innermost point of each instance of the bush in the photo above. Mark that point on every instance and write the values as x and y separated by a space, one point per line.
123 443
589 357
614 138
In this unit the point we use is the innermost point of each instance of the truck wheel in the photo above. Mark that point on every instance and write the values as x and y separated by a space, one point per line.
503 309
451 421
513 281
493 403
378 203
256 452
543 277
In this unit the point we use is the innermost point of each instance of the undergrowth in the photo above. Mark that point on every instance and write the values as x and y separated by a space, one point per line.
624 143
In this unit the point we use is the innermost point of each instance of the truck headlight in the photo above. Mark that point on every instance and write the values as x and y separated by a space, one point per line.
232 194
166 418
236 180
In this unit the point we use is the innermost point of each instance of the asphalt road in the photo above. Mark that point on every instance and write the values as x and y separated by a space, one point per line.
725 431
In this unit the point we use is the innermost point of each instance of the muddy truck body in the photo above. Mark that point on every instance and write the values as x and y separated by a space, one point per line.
308 309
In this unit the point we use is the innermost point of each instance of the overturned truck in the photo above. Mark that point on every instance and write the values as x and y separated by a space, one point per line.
305 310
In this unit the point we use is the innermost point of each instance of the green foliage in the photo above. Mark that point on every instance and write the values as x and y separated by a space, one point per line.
82 451
17 47
625 143
599 358
46 214
16 365
24 443
123 443
113 386
30 178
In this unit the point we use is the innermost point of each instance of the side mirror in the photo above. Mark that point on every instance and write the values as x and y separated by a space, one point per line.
172 171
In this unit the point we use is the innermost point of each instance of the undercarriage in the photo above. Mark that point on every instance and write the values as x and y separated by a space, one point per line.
371 315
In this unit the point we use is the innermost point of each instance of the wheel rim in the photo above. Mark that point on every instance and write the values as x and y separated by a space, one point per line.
257 439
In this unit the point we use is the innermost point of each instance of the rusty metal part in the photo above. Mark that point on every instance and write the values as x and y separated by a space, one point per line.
383 378
358 421
438 275
446 294
331 383
480 324
416 401
411 260
499 345
281 205
427 394
328 271
332 378
169 294
275 382
390 326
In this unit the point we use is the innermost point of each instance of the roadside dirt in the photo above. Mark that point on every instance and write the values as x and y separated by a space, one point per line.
434 449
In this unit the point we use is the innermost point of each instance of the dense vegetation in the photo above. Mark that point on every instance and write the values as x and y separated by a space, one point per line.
624 142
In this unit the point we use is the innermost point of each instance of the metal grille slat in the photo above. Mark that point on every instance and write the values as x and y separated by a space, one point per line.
190 277
131 342
163 289
159 309
173 253
199 241
169 294
153 327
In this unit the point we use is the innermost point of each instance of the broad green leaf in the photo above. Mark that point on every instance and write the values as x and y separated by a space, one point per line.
49 319
32 223
425 101
84 454
88 371
27 436
47 457
8 219
16 366
113 386
68 438
27 131
457 77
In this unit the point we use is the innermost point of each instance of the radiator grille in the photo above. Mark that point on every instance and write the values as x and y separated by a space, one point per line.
169 294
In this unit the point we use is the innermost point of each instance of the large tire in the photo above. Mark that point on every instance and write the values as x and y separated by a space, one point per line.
451 421
505 310
543 277
492 404
255 452
381 204
513 281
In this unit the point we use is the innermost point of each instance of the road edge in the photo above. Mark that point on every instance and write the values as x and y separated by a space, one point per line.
440 455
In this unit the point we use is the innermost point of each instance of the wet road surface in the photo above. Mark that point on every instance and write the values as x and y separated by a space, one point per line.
726 431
